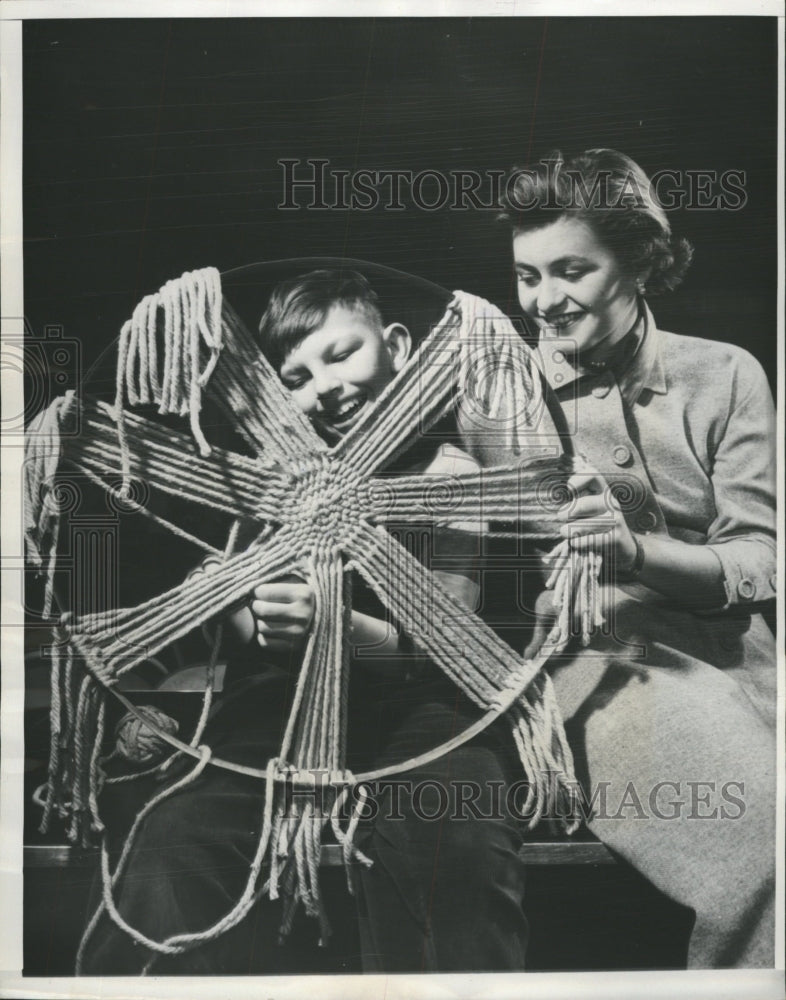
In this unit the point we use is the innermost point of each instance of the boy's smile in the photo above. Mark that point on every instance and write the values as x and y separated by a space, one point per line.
338 370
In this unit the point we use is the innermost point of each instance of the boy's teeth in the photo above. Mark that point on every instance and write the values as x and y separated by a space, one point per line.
346 409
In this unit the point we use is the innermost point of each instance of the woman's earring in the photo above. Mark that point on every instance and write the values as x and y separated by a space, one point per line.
641 288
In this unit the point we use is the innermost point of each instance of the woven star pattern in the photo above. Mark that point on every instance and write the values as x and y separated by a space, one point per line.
321 511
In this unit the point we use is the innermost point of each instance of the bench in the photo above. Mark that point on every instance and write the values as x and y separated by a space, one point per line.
543 852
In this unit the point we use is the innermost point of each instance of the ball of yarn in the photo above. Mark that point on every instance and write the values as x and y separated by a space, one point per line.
137 742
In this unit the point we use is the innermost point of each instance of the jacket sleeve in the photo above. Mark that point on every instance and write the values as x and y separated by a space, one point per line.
742 535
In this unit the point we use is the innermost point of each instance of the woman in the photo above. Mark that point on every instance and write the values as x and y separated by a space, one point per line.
671 710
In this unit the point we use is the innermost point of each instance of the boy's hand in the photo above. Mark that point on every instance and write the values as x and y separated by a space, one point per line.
283 612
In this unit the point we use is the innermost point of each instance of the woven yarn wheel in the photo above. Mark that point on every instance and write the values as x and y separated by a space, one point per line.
318 511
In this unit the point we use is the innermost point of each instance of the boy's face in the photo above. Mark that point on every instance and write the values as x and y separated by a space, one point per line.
338 370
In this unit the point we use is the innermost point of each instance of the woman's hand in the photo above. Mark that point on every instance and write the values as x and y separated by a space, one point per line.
545 619
593 517
689 574
283 612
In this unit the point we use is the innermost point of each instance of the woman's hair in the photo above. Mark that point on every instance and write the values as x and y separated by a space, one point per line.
300 305
612 193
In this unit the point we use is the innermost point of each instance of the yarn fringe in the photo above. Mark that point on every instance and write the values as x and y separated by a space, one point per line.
289 842
44 498
191 309
74 775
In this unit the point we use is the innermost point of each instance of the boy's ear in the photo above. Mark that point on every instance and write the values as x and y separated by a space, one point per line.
399 344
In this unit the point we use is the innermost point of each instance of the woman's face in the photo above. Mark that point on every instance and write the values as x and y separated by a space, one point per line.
569 282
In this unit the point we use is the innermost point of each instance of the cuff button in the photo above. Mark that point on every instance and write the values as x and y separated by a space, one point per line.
646 521
746 589
622 454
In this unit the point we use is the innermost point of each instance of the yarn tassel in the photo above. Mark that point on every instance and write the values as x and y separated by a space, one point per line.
574 578
346 838
191 307
545 756
96 825
42 502
55 724
84 728
295 843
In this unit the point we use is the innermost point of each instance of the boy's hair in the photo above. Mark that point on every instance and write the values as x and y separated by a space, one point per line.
300 305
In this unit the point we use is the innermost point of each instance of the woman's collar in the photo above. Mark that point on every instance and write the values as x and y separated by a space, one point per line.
615 357
639 357
645 370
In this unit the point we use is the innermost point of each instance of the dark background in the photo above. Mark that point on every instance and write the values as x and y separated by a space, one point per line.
151 147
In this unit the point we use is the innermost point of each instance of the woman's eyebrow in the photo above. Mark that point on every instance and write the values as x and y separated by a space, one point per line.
559 262
570 259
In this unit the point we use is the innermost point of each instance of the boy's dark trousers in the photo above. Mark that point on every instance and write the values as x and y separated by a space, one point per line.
445 893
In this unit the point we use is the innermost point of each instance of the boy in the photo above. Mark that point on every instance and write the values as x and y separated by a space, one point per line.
445 890
324 334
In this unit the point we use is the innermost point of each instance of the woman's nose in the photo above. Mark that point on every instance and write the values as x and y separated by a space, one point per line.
550 295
